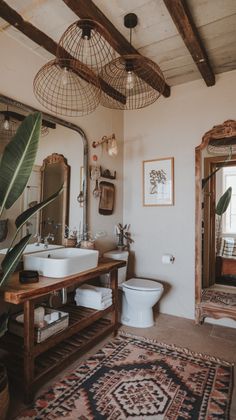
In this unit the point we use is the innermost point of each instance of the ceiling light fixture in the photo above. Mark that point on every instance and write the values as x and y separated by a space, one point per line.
85 73
6 124
67 87
87 41
132 76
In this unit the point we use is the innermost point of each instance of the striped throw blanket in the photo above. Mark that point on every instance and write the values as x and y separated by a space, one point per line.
228 248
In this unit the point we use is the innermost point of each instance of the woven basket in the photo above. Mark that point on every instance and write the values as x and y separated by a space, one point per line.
4 393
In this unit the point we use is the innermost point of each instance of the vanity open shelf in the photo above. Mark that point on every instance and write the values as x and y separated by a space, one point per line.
86 326
57 356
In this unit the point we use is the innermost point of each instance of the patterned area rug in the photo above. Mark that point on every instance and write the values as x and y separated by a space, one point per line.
136 378
218 298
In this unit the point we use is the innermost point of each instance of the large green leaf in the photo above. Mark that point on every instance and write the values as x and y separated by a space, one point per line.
223 202
3 323
23 217
11 259
18 159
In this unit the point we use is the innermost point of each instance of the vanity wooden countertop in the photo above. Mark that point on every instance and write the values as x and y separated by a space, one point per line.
15 292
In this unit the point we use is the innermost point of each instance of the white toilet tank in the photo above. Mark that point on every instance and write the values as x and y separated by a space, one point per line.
116 254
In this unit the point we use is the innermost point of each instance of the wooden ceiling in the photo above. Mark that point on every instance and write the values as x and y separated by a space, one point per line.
188 39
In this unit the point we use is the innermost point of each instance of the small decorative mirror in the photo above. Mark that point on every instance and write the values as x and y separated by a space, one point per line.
107 197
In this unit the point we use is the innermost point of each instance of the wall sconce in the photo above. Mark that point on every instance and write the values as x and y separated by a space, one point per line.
9 123
8 126
111 142
80 197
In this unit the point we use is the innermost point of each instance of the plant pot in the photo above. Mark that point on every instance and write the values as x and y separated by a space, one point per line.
4 392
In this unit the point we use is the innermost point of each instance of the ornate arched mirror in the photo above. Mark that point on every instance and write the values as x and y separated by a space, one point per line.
215 269
55 172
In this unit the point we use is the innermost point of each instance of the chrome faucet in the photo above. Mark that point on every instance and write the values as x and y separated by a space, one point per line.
38 239
47 238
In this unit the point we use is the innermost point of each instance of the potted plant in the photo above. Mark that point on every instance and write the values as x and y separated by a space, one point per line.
221 208
15 168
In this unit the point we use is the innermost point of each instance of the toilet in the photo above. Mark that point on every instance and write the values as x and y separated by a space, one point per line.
139 294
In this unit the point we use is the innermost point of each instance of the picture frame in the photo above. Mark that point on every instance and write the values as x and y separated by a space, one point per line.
158 182
107 198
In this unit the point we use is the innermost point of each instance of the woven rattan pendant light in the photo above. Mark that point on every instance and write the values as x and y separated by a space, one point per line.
132 76
87 41
67 87
8 127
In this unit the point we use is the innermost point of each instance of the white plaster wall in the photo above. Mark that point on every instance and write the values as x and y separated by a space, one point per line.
18 66
171 127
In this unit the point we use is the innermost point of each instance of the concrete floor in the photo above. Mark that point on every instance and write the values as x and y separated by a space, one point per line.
209 339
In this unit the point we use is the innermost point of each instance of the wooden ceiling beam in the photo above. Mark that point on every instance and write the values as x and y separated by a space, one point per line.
183 20
86 9
44 41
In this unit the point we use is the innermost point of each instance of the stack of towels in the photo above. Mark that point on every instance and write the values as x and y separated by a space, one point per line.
93 297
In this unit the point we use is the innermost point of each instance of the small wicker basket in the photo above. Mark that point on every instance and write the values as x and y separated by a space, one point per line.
41 333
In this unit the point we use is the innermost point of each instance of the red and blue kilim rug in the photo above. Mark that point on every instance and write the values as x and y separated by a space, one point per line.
136 378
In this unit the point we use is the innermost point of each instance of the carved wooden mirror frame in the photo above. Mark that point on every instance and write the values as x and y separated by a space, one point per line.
203 307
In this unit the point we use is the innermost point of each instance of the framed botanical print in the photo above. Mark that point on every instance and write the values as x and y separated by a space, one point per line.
158 182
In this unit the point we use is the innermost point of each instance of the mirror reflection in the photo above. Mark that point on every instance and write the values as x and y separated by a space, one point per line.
220 221
54 217
60 157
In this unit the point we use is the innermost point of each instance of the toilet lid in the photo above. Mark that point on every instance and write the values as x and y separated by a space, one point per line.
142 284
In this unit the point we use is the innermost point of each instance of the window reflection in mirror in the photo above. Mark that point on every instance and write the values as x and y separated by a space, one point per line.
226 228
228 179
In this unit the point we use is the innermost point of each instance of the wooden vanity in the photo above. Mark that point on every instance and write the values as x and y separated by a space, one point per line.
31 360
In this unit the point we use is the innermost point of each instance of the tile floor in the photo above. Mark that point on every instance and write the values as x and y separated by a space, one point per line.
210 339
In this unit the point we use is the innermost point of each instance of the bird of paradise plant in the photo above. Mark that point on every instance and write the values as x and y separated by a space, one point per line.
15 168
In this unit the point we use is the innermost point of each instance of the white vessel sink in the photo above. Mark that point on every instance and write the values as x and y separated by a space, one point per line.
30 248
61 262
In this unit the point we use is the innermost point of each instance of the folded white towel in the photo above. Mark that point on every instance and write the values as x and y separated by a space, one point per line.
95 305
89 290
95 290
93 300
98 297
